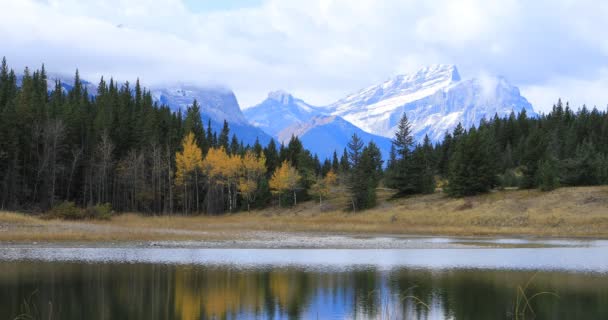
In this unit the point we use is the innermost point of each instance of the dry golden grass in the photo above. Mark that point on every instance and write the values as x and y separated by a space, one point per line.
566 212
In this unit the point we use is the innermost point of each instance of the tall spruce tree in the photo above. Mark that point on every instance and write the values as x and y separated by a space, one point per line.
472 169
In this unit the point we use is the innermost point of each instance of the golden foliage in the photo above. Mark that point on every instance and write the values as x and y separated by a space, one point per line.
221 167
252 168
188 160
322 186
285 178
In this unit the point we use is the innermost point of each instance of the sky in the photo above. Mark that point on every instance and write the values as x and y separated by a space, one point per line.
319 50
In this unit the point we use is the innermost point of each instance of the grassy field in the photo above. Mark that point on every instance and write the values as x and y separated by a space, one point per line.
566 212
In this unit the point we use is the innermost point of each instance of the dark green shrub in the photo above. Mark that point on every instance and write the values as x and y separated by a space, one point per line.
66 210
99 211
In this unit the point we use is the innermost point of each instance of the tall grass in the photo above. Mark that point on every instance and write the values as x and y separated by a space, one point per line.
523 299
30 310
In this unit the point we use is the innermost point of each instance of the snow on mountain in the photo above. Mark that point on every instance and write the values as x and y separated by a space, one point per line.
435 99
325 134
279 111
217 104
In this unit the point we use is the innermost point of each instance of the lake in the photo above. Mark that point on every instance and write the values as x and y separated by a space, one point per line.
139 282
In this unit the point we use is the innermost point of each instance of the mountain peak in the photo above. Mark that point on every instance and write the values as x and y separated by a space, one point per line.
437 72
281 96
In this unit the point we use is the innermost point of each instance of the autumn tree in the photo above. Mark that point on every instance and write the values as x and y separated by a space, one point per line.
253 167
223 176
322 186
188 163
285 179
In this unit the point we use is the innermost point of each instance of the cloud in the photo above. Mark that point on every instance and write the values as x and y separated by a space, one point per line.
318 49
591 92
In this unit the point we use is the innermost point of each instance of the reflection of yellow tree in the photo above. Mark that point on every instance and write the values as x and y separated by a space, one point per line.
216 293
279 283
187 300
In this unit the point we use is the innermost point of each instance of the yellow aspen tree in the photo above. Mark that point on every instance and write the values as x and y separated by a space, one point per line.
231 173
213 166
322 186
252 168
188 161
285 178
223 169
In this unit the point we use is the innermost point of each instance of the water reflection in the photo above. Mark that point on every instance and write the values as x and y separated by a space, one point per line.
152 291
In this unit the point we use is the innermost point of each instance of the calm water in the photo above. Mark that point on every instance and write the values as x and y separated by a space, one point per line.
154 283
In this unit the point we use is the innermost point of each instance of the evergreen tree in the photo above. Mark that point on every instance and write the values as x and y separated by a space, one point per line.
365 174
402 175
222 140
193 123
272 156
548 175
335 163
344 164
257 148
234 146
472 170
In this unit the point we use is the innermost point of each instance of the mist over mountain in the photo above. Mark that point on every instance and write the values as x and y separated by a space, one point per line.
435 99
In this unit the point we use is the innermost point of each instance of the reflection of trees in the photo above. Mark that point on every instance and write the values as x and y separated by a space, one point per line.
226 293
478 294
141 291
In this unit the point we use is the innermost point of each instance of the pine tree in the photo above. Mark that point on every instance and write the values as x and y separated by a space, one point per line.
472 170
335 163
548 175
193 123
365 174
222 140
234 145
272 156
401 174
344 164
257 148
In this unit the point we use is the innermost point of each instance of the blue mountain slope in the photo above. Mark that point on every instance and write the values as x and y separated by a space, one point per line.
325 134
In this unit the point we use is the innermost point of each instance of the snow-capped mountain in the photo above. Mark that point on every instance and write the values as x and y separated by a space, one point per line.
325 134
279 111
435 99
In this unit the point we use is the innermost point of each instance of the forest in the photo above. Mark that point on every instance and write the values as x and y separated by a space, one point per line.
121 150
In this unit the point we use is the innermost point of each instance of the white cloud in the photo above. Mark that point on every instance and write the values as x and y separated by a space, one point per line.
589 92
318 49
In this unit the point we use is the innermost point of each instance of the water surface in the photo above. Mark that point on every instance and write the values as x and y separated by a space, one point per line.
179 283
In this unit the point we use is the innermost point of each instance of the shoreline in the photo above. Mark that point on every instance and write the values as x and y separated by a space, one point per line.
307 240
576 214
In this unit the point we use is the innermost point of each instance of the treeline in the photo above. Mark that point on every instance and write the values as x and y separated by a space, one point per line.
119 148
561 148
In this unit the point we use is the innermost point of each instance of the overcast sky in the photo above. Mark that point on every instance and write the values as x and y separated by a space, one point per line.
319 50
